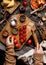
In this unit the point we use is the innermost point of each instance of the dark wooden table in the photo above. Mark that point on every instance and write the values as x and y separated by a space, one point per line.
35 18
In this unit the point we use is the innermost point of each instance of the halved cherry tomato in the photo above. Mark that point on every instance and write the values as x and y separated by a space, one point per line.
17 45
15 41
29 42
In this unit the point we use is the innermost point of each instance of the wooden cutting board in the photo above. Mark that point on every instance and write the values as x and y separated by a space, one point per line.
28 22
12 9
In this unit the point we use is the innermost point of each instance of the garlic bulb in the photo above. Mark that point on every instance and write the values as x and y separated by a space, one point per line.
13 22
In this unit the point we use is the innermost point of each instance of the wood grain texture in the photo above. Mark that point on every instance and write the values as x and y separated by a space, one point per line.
28 22
12 9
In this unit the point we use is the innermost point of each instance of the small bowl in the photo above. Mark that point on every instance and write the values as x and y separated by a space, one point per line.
15 31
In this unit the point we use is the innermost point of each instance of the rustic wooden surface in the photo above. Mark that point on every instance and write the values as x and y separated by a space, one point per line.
28 22
12 9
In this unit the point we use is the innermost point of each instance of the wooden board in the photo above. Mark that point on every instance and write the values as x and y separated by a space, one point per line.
12 9
28 22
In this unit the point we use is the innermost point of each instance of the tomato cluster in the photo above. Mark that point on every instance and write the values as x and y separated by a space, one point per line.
22 34
16 44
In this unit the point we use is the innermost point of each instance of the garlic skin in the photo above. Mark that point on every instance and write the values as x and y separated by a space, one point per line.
13 23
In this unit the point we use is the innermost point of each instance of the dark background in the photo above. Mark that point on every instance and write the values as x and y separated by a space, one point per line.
36 19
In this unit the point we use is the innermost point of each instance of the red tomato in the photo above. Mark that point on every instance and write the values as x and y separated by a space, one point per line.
25 3
17 45
24 27
20 37
29 42
14 37
15 41
21 29
24 35
22 41
24 31
20 32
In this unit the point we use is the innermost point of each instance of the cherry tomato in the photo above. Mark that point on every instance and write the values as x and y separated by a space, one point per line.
24 38
24 31
15 41
21 29
20 33
17 45
25 3
24 27
20 37
24 35
29 42
22 41
14 37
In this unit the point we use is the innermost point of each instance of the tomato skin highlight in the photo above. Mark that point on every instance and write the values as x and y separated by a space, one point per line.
24 27
14 37
25 3
15 41
29 42
17 45
20 37
22 41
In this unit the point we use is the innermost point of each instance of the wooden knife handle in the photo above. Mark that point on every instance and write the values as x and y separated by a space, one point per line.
35 38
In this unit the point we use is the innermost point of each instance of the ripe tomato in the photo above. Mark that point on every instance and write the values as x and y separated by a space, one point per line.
22 41
20 32
24 31
24 27
14 37
17 45
15 41
25 3
20 37
24 35
24 38
21 28
29 42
